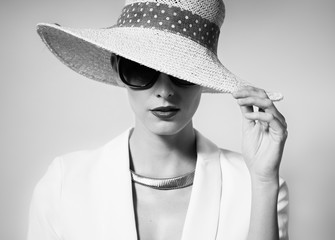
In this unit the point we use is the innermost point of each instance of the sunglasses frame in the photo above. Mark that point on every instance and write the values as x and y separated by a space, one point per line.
154 79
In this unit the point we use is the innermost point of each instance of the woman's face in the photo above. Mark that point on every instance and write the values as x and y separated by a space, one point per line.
165 108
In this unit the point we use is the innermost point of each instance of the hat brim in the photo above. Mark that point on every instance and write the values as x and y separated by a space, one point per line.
88 52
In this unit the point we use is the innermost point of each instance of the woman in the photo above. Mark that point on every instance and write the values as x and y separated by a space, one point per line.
162 179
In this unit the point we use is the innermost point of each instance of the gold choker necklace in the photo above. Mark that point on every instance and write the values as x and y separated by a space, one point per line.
164 183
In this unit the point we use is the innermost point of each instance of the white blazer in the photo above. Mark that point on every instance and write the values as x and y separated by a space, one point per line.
88 195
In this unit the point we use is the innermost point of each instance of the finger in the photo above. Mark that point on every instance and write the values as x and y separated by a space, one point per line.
264 105
270 119
264 124
246 109
261 103
249 91
267 106
247 122
280 116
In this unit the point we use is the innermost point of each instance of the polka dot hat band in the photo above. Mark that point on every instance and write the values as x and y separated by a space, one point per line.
170 18
176 37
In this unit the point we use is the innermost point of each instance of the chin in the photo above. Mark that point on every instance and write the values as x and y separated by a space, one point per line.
166 128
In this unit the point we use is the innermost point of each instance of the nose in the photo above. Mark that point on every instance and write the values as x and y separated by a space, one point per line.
164 88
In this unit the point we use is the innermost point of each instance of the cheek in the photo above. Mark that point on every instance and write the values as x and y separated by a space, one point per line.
193 101
136 101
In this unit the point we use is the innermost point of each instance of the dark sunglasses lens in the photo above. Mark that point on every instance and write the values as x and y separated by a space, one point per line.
136 75
180 82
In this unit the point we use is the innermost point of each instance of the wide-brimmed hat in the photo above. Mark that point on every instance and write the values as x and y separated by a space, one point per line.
178 38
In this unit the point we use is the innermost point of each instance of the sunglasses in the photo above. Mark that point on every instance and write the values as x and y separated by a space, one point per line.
139 77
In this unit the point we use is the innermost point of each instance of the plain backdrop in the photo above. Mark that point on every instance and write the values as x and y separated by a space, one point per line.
48 110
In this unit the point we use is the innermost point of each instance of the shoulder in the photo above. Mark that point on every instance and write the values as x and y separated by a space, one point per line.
68 166
234 167
232 158
79 165
85 161
75 168
79 160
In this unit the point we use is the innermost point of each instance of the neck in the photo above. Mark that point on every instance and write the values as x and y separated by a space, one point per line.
161 156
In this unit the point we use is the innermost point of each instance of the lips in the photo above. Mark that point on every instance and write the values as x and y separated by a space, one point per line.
167 112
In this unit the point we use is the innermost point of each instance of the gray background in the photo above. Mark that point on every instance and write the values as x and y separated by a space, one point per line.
48 110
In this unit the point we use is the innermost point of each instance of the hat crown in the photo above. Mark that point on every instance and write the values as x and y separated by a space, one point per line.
212 10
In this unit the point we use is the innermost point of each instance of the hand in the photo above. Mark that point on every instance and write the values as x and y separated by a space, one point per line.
264 133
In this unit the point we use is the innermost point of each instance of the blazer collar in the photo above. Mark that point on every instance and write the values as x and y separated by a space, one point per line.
114 201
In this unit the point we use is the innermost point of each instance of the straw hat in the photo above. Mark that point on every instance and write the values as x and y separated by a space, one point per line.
176 37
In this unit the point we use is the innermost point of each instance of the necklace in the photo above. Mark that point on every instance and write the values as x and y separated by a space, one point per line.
164 183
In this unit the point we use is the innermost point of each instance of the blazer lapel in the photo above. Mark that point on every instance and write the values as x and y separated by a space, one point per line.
204 208
114 200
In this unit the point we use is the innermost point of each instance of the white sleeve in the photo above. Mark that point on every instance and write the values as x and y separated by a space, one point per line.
283 210
44 218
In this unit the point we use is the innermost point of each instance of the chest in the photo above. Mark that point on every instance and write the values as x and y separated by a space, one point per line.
160 214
